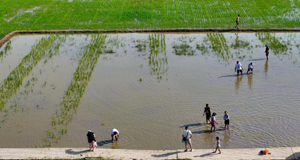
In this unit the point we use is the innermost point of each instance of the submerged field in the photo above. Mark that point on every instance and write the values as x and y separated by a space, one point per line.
53 88
132 14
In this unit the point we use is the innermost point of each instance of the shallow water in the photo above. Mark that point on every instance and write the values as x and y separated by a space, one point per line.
149 93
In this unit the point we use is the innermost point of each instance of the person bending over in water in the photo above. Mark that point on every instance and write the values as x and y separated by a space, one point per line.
207 112
238 68
91 139
114 135
213 122
250 67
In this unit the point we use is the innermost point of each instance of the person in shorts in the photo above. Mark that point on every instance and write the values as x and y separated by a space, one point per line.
186 136
238 68
267 51
213 122
237 20
218 147
207 112
114 135
91 140
250 67
226 120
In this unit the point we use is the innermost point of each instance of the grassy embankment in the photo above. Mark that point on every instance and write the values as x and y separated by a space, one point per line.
139 14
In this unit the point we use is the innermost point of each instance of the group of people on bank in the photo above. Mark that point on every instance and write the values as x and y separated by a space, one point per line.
91 137
210 119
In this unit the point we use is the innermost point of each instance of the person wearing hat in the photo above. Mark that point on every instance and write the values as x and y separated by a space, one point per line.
91 140
114 135
250 67
213 122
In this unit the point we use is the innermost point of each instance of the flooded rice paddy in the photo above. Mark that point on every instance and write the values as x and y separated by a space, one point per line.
54 88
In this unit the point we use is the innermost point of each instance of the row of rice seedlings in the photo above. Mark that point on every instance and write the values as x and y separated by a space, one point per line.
6 49
76 89
275 45
220 46
158 60
184 48
15 79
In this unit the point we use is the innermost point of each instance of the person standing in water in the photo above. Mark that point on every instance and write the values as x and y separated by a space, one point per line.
238 68
267 51
207 112
91 140
237 20
250 67
213 122
226 120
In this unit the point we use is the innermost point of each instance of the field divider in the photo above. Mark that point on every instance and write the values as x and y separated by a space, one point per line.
166 30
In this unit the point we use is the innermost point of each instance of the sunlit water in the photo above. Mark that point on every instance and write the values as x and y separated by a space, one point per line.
149 93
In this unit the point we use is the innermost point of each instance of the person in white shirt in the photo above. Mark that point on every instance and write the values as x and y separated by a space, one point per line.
114 135
186 137
250 67
238 68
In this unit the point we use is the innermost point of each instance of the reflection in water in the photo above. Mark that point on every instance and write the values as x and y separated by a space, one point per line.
115 145
250 81
220 46
266 67
226 138
275 45
158 60
238 82
237 38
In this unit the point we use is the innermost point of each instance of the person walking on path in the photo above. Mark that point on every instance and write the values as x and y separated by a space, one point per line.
207 112
226 120
267 51
237 20
186 137
238 68
218 147
114 135
91 140
213 122
250 67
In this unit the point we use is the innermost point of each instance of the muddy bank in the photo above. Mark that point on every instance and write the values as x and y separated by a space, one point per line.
11 34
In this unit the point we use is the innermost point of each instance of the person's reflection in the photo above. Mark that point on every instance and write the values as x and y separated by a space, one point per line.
266 67
226 138
208 136
238 82
250 80
237 38
115 145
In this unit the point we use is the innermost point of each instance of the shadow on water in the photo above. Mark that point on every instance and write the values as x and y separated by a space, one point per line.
102 143
70 151
257 59
193 125
164 155
206 131
234 75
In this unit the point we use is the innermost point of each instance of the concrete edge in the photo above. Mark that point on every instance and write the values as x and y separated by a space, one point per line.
79 153
13 33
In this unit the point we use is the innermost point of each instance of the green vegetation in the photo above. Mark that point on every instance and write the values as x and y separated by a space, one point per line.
220 46
76 89
12 83
274 44
131 14
183 47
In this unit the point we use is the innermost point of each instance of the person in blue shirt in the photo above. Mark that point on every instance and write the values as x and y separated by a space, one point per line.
226 120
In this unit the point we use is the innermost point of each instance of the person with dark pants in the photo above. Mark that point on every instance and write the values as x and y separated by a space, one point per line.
237 20
114 135
226 120
267 51
207 112
238 68
91 140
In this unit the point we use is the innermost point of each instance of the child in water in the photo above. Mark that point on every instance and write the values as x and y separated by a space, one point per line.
218 145
213 122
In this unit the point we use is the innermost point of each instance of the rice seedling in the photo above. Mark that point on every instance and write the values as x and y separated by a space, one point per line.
75 91
275 45
219 45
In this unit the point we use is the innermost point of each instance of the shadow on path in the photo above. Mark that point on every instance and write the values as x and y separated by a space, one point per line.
295 155
164 155
205 155
70 151
102 143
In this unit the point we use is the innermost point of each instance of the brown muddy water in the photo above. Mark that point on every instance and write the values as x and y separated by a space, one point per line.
149 86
